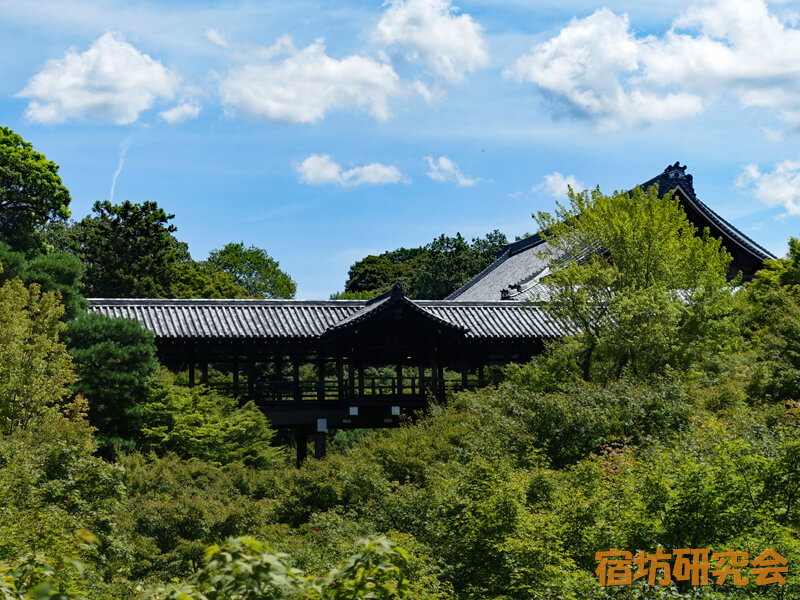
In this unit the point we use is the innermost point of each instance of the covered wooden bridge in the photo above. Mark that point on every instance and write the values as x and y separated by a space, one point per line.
316 365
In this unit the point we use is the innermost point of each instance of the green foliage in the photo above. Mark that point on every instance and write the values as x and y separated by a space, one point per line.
31 191
114 359
579 418
53 272
450 262
644 289
248 569
128 249
30 577
373 275
433 271
252 269
199 423
196 280
35 368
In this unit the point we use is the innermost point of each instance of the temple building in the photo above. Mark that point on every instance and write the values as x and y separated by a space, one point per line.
315 365
521 267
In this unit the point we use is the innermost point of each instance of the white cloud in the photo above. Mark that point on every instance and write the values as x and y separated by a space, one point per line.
111 81
215 37
443 169
180 113
320 169
582 65
773 135
780 187
431 32
599 69
305 84
557 185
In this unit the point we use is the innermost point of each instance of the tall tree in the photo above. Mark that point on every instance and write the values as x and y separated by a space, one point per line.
35 368
452 261
252 269
128 249
644 287
375 274
114 359
31 191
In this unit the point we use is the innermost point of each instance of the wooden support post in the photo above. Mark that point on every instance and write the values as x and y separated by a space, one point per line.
320 378
435 377
441 388
319 445
205 372
279 377
191 374
251 377
360 381
399 371
235 375
481 375
464 375
421 373
301 442
340 377
298 394
351 378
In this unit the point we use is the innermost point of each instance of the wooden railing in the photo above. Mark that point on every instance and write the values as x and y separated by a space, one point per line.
372 388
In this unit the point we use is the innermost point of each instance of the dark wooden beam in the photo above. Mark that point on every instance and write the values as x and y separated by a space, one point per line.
298 394
235 368
320 378
301 443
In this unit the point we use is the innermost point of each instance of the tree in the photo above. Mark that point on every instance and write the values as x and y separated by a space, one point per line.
450 262
252 269
114 359
128 249
642 286
772 326
35 368
196 280
375 274
31 191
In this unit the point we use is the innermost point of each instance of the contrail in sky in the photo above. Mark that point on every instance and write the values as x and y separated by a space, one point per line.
123 150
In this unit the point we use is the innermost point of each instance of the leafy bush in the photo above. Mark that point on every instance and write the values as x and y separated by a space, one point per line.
202 424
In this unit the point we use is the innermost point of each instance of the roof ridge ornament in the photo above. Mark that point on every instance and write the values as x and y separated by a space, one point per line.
678 171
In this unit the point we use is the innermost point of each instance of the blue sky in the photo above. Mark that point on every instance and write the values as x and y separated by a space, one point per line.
326 131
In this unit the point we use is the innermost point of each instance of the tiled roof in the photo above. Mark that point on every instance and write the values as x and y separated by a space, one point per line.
310 319
675 176
519 266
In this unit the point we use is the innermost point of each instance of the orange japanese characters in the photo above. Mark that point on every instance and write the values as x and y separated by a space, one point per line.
619 567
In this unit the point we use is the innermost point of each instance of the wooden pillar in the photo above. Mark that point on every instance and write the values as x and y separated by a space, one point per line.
279 377
235 368
191 374
360 381
481 375
464 375
301 442
399 371
440 378
421 373
251 377
320 378
340 377
435 377
351 377
205 371
298 394
319 445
